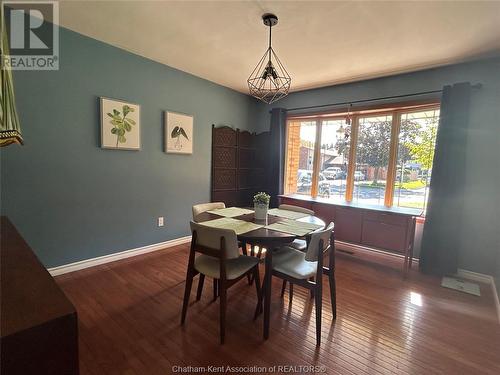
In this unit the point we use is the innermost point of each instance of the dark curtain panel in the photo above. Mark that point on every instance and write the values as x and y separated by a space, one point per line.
277 153
443 223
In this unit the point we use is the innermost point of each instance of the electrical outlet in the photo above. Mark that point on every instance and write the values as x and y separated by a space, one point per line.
160 221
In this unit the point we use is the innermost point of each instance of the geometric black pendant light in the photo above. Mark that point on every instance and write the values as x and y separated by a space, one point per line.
269 80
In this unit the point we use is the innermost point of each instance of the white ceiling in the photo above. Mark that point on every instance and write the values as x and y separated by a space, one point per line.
319 42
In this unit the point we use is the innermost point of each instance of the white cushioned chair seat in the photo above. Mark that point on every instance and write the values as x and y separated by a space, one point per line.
299 245
289 207
292 262
210 266
203 207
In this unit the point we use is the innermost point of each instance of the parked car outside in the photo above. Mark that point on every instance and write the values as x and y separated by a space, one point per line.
323 185
359 176
331 172
341 175
304 183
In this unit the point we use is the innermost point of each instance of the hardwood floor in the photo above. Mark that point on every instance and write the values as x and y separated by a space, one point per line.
129 321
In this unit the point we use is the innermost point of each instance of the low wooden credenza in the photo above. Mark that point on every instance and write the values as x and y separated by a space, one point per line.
377 227
39 326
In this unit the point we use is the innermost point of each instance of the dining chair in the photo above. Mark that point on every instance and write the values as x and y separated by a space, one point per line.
218 258
290 207
298 268
203 207
199 209
298 244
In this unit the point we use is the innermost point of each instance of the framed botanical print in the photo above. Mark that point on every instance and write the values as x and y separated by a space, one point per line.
178 133
120 125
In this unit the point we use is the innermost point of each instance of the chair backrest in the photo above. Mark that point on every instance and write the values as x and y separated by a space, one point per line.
316 236
203 207
289 207
211 237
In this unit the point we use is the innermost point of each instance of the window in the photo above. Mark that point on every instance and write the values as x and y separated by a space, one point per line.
373 157
417 141
300 157
334 158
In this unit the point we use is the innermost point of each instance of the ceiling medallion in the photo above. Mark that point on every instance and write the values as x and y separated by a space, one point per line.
269 80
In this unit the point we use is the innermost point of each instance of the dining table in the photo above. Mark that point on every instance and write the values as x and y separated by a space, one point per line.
269 239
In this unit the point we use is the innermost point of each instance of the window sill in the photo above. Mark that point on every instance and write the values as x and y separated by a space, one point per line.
343 203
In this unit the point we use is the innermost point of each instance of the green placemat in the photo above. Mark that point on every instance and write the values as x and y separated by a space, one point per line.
282 227
295 227
239 226
301 224
231 211
286 213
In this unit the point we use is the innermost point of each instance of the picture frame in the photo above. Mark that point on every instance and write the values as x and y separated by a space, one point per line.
178 134
120 124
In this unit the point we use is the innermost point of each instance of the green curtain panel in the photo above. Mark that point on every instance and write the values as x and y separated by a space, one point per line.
10 129
443 222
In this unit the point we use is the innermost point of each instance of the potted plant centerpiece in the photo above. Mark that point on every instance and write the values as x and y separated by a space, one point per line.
261 205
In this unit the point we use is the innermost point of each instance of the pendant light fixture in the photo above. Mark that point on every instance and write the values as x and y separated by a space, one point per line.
343 133
269 80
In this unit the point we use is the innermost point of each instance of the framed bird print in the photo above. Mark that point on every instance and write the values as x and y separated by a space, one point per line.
178 133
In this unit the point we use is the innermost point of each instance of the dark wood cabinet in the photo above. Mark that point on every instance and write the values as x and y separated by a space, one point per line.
348 224
324 212
39 325
384 236
386 230
381 228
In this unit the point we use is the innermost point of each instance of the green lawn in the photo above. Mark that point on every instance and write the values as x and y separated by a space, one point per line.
412 204
378 184
410 185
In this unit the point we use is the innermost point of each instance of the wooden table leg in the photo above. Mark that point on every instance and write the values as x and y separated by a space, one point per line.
245 252
267 290
412 240
405 264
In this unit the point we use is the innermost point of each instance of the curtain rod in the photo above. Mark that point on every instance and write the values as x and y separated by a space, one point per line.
476 86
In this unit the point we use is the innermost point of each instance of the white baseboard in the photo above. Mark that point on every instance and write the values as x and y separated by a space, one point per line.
474 276
71 267
497 302
482 278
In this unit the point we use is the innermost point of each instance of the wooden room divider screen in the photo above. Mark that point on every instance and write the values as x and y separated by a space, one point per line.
239 161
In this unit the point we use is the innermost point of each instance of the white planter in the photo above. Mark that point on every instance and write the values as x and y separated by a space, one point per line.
261 211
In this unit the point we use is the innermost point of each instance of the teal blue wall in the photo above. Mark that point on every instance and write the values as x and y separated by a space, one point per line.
480 244
72 200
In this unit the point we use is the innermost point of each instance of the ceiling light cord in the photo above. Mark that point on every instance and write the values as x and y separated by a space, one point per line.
270 48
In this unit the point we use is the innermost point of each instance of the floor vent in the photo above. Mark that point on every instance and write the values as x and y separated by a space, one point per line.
462 286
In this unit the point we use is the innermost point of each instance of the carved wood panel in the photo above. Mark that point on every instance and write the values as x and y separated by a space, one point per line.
224 157
224 136
247 158
237 172
246 139
230 197
245 179
224 179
